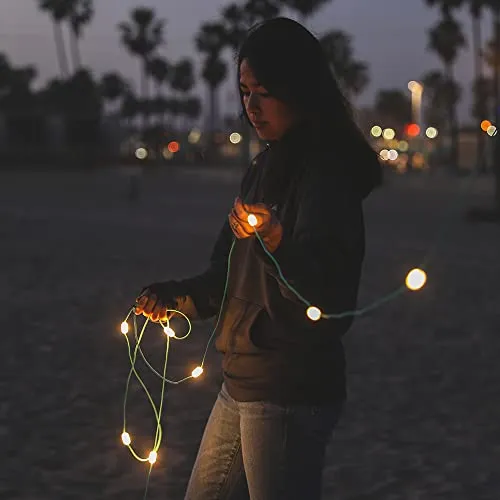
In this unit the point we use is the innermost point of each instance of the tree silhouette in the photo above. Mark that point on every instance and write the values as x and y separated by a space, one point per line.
142 36
305 8
446 39
59 11
81 14
352 74
393 108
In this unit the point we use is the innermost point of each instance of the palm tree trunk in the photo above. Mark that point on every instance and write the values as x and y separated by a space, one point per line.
61 51
144 94
75 50
452 115
212 123
478 70
496 155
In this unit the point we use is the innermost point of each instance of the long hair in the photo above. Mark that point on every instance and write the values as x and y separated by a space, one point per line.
289 62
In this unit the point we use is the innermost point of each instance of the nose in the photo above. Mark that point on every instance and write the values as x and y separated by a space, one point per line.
253 103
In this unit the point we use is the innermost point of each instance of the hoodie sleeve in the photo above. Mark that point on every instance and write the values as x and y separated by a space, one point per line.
206 290
322 255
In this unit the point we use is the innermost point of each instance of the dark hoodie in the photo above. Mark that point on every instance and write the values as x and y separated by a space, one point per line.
272 350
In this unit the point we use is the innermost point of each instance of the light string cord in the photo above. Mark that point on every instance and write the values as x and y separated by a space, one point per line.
312 312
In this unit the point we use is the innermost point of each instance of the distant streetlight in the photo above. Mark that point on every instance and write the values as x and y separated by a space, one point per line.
416 89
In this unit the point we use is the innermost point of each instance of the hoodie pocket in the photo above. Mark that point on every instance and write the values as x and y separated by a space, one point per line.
235 328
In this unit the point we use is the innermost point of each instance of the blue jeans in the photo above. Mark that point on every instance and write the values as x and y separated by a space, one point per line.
262 451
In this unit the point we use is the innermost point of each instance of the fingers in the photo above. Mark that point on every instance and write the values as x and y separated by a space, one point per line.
149 306
239 227
261 212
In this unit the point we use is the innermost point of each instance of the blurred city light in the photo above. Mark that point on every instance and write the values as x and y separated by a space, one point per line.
235 138
173 146
414 86
403 146
431 132
194 136
485 125
412 130
384 154
492 130
141 153
393 155
167 154
376 131
389 134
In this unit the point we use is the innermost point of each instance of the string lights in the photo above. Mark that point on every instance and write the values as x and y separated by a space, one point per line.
415 280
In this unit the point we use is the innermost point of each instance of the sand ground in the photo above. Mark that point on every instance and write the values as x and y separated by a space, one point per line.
423 415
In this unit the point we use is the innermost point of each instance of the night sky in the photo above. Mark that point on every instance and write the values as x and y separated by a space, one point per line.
389 34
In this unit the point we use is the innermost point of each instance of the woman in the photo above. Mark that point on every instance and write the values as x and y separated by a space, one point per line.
284 374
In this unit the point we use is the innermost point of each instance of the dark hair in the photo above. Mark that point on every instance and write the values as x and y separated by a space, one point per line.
289 62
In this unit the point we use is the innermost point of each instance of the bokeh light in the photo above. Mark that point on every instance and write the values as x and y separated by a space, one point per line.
431 132
389 134
235 138
173 146
194 136
485 125
376 131
492 130
384 154
141 153
393 155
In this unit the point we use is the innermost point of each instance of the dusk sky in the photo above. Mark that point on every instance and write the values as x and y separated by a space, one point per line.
391 35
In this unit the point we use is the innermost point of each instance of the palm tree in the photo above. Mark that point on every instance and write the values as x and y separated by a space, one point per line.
352 74
59 11
446 6
495 6
476 10
258 10
113 87
214 72
159 70
446 39
191 108
142 36
81 14
393 108
182 80
305 8
438 92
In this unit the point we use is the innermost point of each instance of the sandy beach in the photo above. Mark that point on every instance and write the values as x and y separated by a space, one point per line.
422 420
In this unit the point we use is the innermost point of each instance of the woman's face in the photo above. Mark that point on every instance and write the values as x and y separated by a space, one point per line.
270 117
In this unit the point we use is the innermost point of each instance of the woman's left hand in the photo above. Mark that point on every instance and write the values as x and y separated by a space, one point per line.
267 224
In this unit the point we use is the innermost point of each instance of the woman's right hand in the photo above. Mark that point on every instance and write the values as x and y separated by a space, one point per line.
154 301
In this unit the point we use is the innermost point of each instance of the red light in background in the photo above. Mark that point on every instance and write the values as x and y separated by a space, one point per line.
412 130
173 146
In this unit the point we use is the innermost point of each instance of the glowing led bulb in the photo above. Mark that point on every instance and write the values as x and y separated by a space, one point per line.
152 457
168 331
252 220
313 313
124 328
197 372
126 438
416 279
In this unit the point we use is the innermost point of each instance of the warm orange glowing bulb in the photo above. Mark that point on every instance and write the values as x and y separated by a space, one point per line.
168 331
152 457
416 279
313 313
197 372
124 328
126 440
252 220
